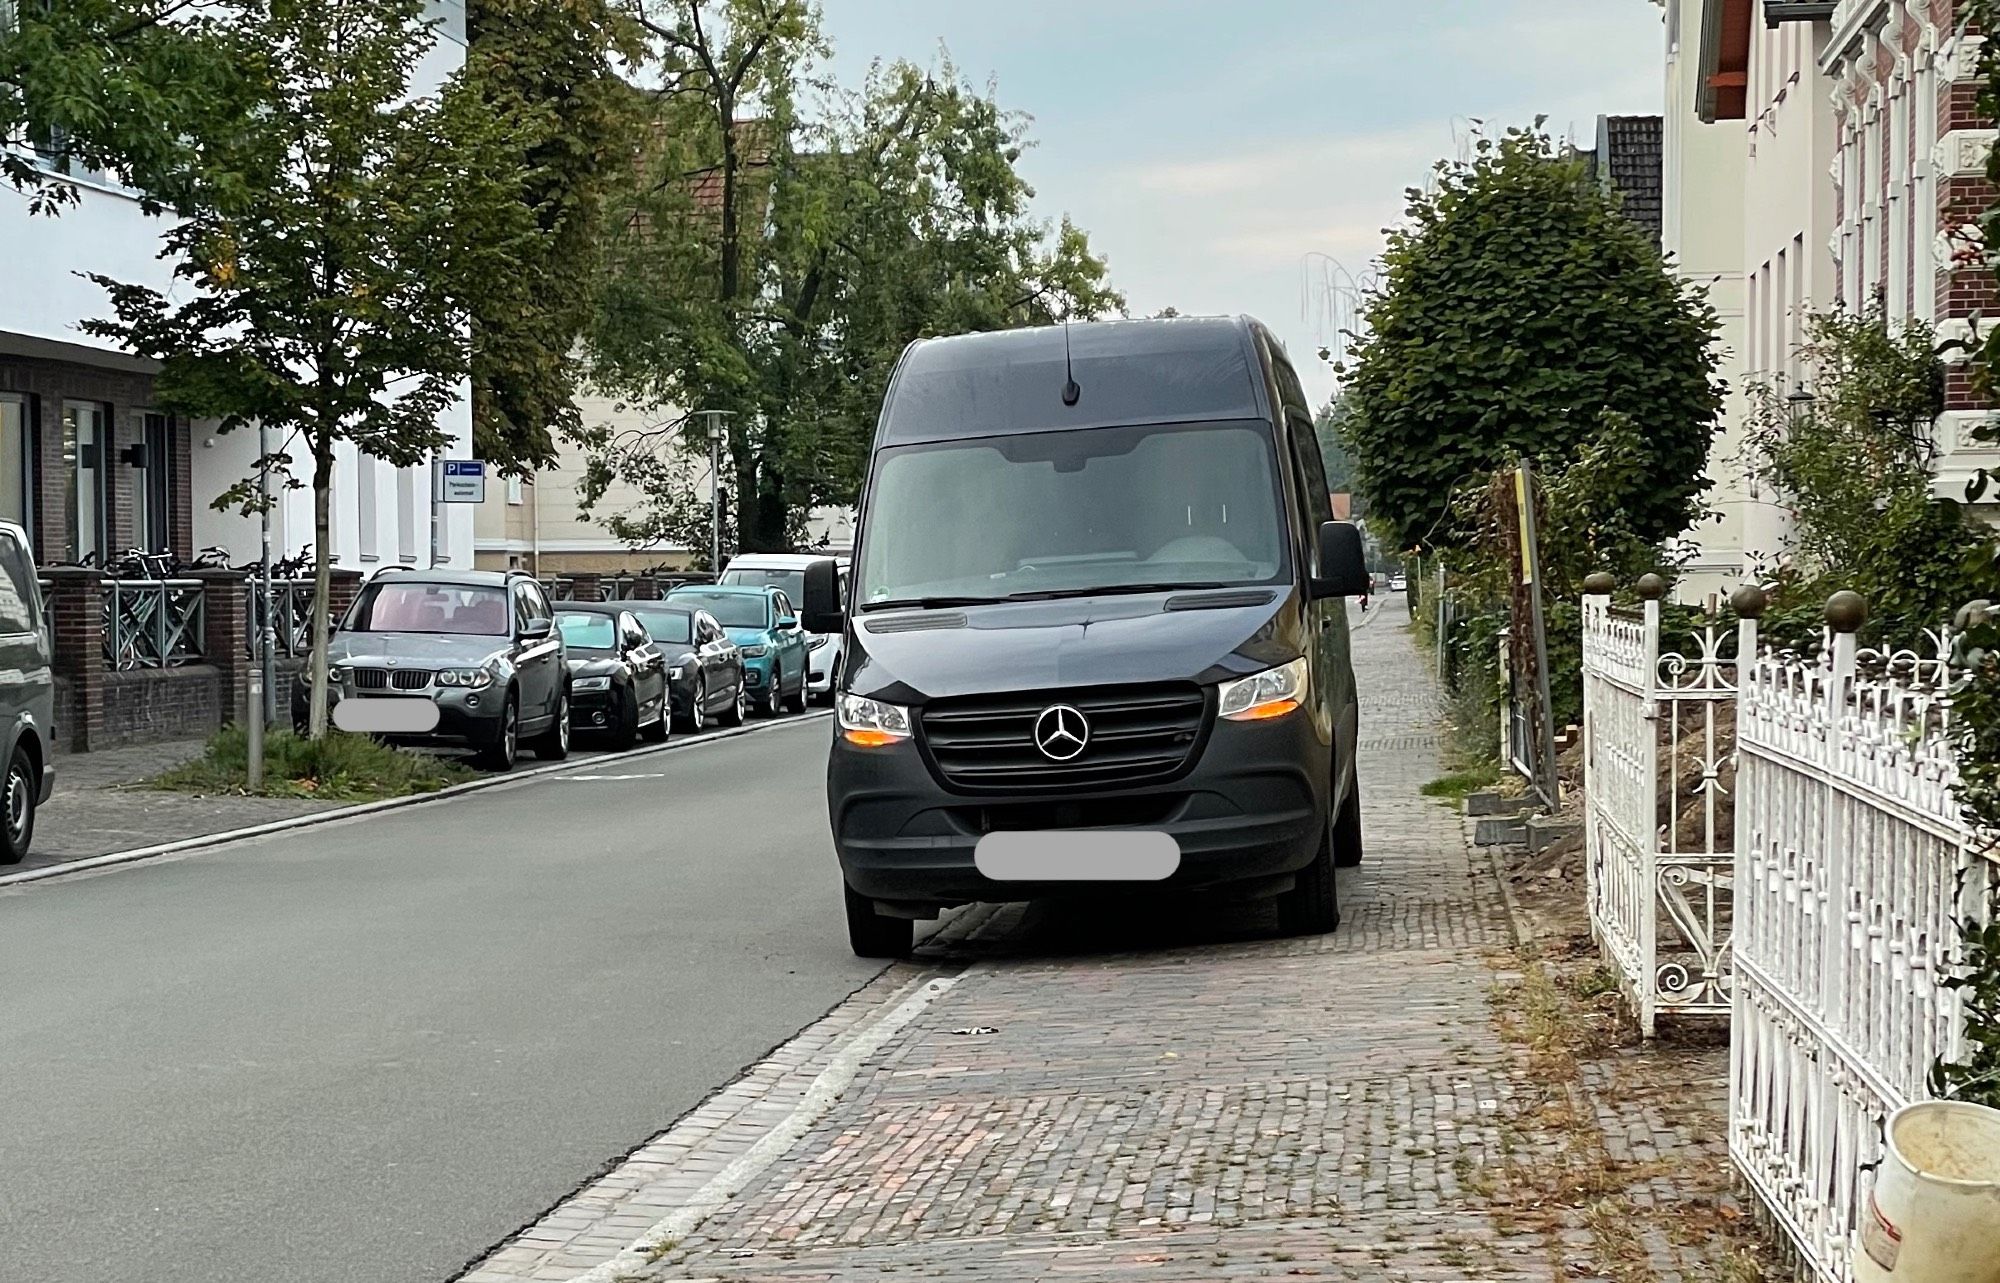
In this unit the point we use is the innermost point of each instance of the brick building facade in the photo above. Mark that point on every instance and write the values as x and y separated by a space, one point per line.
89 467
1855 170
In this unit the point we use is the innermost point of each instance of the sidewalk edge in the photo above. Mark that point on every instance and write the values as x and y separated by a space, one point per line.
225 837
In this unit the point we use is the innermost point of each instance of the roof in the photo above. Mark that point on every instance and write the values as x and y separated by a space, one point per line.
1172 370
778 560
1628 162
1724 60
593 607
448 577
692 591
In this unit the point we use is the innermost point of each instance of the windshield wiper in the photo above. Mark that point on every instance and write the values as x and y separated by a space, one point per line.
925 603
1110 590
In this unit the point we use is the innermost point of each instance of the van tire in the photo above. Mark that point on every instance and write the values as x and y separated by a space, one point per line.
1347 830
1312 906
876 935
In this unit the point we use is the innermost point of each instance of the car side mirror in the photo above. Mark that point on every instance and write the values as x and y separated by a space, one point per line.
1343 563
820 598
537 629
787 623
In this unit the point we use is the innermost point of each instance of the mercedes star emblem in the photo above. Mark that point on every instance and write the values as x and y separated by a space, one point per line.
1061 732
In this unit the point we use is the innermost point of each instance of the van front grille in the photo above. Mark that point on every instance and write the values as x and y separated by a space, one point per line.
1137 734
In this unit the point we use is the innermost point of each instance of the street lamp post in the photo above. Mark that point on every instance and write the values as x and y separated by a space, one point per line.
714 420
267 633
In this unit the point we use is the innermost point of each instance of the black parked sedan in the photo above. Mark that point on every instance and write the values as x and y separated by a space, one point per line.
704 668
618 678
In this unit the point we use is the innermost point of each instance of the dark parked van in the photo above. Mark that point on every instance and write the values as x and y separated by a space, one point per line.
1097 633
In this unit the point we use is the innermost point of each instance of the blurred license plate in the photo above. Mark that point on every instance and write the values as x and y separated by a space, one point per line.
386 716
1077 855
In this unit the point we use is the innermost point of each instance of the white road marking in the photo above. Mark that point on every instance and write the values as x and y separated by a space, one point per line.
651 775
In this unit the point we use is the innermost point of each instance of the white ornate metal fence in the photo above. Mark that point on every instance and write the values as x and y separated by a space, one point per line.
1854 870
1657 826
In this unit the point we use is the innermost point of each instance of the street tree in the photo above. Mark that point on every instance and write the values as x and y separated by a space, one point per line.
773 267
1519 313
554 71
328 251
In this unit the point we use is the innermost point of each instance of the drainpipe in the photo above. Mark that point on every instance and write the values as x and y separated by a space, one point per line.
535 529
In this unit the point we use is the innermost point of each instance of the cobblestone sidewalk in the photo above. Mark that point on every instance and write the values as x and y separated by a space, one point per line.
101 806
1118 1093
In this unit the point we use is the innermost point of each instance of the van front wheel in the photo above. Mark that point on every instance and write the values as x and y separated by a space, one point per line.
1312 906
876 935
1347 830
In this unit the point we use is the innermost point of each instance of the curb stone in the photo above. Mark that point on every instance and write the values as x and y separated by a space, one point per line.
227 836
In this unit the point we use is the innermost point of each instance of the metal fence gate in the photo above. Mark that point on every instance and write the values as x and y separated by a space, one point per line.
1658 817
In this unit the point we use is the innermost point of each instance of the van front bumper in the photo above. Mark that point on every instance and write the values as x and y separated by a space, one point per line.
1251 809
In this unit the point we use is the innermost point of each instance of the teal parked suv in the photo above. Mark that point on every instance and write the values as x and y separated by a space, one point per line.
765 627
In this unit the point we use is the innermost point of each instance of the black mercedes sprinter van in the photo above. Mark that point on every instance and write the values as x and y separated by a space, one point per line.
1096 630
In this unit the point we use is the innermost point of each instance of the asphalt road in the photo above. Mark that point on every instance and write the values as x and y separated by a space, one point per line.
368 1051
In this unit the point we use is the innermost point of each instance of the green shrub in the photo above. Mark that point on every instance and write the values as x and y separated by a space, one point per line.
340 768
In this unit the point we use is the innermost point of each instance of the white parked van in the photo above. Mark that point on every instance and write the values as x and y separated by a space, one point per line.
787 570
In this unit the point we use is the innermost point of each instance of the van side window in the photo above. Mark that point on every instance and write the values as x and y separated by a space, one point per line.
1312 471
19 594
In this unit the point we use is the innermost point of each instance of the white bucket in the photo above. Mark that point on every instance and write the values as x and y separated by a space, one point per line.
1934 1214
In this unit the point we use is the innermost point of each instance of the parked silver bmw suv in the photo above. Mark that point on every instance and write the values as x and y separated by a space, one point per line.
480 646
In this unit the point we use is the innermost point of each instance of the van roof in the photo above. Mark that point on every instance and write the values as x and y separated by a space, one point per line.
1167 370
778 560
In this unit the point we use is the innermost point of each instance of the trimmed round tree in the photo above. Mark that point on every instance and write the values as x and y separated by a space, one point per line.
1519 310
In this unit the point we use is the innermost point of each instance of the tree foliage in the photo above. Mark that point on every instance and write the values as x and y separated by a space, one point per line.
550 69
329 250
124 86
773 266
1518 309
1855 472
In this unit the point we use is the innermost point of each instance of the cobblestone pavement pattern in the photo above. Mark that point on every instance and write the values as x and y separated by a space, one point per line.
1120 1091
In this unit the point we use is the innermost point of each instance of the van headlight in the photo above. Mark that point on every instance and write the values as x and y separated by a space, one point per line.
870 723
1260 696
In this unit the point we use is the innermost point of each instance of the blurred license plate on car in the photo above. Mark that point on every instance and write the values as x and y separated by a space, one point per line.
1072 855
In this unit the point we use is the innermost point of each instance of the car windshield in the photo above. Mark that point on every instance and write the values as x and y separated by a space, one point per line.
792 581
665 625
1071 512
431 608
584 631
733 610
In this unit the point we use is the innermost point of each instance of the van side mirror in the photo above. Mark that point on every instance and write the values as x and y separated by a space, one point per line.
819 605
1343 564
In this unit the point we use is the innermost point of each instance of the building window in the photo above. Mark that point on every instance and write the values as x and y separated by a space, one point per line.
17 461
364 491
151 460
406 513
515 491
84 437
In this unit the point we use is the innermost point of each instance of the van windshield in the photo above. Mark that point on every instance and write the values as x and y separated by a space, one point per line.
1065 513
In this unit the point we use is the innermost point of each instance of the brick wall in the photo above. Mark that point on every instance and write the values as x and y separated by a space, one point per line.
157 705
49 386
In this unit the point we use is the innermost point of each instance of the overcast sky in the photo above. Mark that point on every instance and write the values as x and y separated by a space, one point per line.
1210 148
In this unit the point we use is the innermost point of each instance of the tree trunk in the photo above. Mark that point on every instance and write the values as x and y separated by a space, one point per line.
322 622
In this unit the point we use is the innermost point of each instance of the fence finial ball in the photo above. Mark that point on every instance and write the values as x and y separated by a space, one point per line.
1650 587
1600 583
1749 602
1846 611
